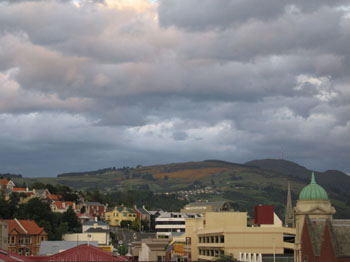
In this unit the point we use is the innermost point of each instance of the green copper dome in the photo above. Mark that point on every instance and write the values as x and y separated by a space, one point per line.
313 191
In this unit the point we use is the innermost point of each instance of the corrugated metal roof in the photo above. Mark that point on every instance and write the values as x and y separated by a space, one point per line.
54 247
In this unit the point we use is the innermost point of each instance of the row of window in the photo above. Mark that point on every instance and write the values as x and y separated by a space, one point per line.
124 215
211 252
171 230
212 239
23 240
170 222
24 251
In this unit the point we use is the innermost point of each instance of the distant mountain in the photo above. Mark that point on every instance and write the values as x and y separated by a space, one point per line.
330 179
8 175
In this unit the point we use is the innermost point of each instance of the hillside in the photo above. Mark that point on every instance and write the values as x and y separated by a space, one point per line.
330 179
256 182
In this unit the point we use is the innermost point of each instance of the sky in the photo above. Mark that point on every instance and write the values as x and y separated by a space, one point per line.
89 84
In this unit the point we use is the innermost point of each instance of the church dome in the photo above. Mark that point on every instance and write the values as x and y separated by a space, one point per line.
313 191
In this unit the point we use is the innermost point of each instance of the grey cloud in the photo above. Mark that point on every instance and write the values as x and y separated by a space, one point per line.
206 14
113 87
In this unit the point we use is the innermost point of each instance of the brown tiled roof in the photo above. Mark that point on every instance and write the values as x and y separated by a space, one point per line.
23 226
17 189
4 181
54 197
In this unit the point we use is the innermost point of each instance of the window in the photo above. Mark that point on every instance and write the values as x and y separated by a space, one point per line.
216 253
222 239
159 259
28 252
306 258
21 240
216 239
28 240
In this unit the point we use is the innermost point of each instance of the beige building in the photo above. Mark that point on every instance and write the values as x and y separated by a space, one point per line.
151 249
227 233
102 238
203 207
3 235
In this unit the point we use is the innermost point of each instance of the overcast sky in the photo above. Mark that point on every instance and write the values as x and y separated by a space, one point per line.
88 84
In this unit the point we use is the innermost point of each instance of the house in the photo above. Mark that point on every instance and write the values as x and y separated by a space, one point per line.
142 213
42 194
115 215
83 218
7 256
324 240
6 184
52 197
95 209
62 206
24 237
95 224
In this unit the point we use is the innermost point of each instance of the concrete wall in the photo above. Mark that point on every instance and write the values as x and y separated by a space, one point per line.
101 238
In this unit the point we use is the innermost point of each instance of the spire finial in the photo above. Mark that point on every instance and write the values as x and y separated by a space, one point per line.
313 180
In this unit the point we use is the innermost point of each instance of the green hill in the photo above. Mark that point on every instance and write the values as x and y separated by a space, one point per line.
249 184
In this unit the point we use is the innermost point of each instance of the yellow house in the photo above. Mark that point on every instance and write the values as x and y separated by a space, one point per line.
115 215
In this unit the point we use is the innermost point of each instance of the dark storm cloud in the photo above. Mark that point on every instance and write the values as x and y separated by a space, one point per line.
117 82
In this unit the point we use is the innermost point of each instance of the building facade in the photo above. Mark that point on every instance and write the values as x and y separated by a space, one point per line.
172 223
3 235
24 237
115 215
227 233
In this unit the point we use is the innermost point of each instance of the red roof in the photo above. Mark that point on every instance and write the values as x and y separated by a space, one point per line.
54 197
9 257
17 189
82 253
59 204
4 181
30 227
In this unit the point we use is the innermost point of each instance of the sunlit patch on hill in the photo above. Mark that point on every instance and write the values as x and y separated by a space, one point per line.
191 174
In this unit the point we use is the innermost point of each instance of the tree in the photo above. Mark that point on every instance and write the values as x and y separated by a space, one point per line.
52 189
145 225
14 204
122 250
44 217
125 223
38 185
136 224
71 219
4 208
